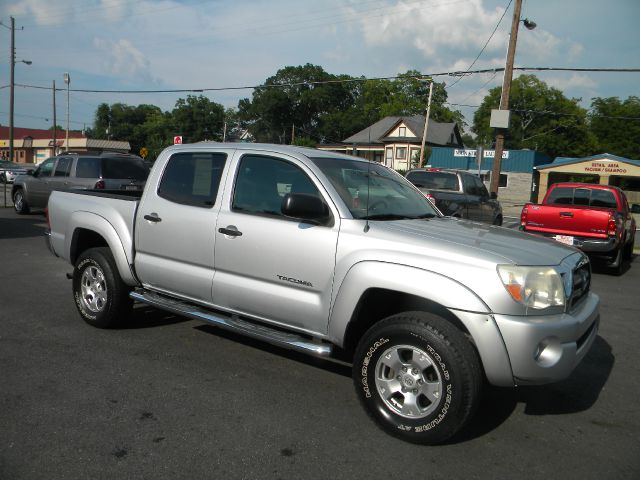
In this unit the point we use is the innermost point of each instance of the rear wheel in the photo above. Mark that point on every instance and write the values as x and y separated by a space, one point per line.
418 377
102 298
628 249
20 204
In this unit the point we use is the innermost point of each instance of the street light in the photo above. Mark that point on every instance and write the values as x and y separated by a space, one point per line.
501 120
67 80
12 65
12 83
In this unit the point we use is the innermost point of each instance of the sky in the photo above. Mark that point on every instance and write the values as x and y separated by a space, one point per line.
196 44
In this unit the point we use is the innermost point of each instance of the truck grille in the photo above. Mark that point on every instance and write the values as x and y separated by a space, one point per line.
580 283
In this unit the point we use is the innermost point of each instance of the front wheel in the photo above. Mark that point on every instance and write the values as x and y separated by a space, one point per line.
418 377
102 298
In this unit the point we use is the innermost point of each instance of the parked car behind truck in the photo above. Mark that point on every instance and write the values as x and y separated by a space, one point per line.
457 194
593 218
73 171
334 256
10 170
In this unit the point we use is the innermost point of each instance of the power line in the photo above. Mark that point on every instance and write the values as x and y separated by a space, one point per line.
485 44
341 80
549 112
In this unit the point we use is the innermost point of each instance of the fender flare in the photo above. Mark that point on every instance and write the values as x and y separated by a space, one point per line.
469 308
365 275
82 220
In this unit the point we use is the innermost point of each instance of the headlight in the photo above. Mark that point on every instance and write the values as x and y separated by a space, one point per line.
533 287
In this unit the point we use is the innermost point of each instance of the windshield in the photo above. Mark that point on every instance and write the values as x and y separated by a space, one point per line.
372 191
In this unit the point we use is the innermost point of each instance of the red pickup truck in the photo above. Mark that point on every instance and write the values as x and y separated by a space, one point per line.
594 218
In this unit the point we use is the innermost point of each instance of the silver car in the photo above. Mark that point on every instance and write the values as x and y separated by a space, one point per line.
85 171
10 170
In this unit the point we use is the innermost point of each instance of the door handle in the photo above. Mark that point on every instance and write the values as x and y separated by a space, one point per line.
231 231
566 214
153 217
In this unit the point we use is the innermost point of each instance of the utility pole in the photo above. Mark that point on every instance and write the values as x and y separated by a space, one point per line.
293 132
224 132
426 126
504 98
54 119
12 83
67 80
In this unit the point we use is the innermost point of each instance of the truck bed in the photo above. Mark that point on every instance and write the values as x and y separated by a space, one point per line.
114 211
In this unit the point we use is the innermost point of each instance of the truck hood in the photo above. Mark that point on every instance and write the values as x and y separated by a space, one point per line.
465 238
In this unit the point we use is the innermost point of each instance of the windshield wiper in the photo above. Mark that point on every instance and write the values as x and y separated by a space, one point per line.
395 216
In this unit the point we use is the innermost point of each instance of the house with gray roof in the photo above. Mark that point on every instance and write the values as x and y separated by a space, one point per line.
396 140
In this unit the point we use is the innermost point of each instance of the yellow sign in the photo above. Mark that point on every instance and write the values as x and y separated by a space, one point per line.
144 152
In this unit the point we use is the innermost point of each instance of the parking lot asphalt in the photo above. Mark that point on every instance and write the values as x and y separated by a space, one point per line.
172 398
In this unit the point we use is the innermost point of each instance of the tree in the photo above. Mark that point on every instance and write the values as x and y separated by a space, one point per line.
198 119
123 122
329 108
542 119
616 136
298 97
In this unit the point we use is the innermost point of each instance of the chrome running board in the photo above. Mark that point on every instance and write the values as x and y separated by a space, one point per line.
233 323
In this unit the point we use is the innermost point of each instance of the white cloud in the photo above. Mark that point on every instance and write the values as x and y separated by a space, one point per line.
574 82
122 58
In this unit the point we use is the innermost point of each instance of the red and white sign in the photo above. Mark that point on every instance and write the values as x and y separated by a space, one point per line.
177 140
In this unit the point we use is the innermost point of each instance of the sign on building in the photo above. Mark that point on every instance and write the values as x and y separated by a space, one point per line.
465 152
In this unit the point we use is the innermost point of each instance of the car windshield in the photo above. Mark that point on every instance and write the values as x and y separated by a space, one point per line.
372 191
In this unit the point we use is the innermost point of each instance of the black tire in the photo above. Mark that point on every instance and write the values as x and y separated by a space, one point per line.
440 363
102 298
498 221
20 204
3 178
627 254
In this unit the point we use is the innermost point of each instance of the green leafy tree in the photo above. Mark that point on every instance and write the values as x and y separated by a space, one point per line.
294 98
542 119
123 122
198 119
618 136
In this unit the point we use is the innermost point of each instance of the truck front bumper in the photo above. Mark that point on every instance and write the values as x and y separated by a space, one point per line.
546 349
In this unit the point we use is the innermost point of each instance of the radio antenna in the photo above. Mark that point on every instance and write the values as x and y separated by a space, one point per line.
366 225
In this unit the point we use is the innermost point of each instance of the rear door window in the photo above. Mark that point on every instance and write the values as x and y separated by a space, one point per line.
192 178
62 167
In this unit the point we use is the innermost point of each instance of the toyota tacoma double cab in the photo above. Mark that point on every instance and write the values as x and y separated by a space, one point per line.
337 257
594 218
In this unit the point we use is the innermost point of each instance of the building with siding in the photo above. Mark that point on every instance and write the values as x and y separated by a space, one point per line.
396 140
516 184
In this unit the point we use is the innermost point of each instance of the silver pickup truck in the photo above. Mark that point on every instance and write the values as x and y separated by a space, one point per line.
337 257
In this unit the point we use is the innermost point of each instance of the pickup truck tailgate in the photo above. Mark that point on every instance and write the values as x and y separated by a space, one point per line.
568 220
